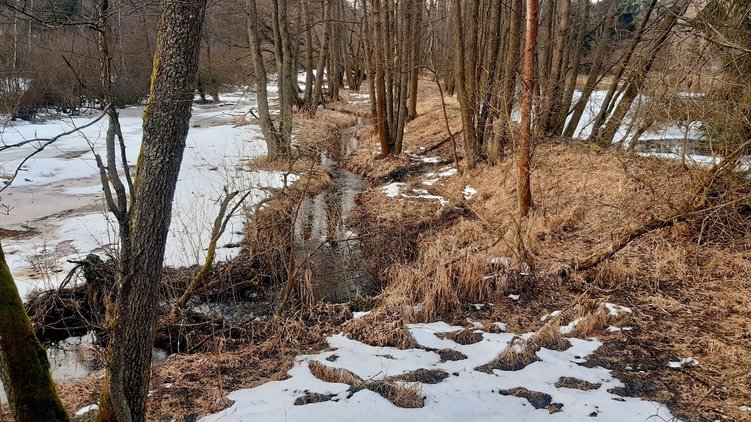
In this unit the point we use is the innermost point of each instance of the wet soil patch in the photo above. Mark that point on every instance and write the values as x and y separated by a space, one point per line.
575 383
537 399
425 376
309 398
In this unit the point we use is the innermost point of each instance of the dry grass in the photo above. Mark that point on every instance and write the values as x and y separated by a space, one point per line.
401 395
688 284
384 327
516 356
549 336
334 375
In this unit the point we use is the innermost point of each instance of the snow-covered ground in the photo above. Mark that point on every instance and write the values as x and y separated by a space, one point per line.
465 394
57 194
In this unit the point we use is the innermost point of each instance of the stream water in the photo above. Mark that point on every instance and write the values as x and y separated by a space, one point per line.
324 244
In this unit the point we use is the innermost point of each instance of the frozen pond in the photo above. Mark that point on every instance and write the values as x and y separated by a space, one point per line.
58 200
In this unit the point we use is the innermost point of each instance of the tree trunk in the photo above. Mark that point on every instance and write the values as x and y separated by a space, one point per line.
24 368
594 72
165 127
605 106
322 59
525 136
274 141
416 45
552 99
573 70
636 82
288 96
309 76
468 125
369 62
381 116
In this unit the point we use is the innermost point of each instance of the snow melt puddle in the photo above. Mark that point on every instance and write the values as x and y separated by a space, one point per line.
451 390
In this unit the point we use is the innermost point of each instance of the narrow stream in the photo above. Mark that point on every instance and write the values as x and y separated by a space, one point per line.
323 242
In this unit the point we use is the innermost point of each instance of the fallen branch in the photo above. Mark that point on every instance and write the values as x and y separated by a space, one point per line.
220 225
45 142
697 205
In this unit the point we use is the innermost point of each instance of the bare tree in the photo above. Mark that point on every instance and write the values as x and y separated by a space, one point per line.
165 128
525 134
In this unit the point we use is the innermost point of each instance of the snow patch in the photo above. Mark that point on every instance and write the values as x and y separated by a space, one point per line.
86 409
469 192
683 362
392 190
615 310
467 394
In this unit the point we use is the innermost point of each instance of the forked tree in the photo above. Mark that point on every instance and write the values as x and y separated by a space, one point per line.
165 128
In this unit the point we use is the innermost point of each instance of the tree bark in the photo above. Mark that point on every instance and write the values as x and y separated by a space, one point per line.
416 45
468 124
166 123
605 106
635 84
24 367
594 72
273 139
525 136
381 119
322 59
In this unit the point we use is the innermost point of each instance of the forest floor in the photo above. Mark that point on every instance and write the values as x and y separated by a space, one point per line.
658 331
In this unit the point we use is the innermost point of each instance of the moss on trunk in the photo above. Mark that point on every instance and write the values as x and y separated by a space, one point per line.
23 361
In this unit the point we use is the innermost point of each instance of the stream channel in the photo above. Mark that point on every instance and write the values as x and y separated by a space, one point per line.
323 243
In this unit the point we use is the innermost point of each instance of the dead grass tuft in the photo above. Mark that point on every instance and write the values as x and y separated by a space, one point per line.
383 327
516 356
407 396
334 375
549 336
466 336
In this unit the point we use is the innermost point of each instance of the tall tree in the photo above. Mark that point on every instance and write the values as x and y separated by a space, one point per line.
277 138
166 122
635 83
24 367
525 134
464 85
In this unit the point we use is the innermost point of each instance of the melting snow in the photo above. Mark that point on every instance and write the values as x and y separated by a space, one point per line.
392 190
448 173
615 310
683 363
469 192
466 394
58 192
550 315
86 409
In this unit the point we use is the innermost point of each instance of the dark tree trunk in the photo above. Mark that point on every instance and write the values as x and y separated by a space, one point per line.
636 82
525 135
165 127
24 368
468 124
